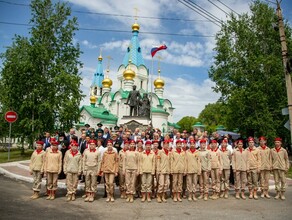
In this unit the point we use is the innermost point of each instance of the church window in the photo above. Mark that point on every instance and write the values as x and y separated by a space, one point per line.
128 49
139 49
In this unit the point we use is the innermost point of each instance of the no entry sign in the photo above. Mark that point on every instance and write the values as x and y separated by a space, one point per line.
11 116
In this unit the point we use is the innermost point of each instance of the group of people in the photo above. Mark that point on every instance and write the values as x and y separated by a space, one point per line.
151 167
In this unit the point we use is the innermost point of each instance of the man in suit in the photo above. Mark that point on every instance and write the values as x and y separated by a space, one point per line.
47 140
82 143
71 134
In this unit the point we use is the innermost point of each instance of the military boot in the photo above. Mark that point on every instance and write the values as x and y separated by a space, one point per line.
190 197
242 195
128 197
205 196
222 194
33 195
179 197
73 197
237 195
277 195
91 197
159 197
262 193
215 196
255 194
49 194
201 195
163 197
87 197
250 194
282 196
108 199
69 197
194 197
226 194
131 198
174 197
148 197
267 194
143 197
53 193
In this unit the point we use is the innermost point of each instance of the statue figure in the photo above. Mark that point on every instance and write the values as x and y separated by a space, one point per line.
133 101
144 109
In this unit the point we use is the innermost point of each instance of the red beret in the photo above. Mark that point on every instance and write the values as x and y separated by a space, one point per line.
110 141
40 142
240 141
53 139
192 141
166 141
140 141
278 139
225 141
148 143
132 141
250 139
92 142
178 141
202 141
54 143
155 141
184 141
262 138
74 143
126 142
213 141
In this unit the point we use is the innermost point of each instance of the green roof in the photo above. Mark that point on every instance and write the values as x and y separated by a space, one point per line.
175 125
98 112
158 110
199 124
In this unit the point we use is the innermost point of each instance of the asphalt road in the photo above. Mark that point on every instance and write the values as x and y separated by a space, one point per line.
15 204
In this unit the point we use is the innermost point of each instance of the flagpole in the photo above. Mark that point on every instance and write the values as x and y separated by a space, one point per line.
151 88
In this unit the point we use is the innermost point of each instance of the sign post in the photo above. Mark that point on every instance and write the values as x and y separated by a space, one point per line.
10 117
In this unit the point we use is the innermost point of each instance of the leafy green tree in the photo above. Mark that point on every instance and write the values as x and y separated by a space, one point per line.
186 123
248 72
40 78
212 115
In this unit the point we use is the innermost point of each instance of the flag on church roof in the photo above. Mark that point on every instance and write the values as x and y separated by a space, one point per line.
157 48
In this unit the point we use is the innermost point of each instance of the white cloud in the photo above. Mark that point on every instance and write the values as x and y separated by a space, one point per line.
187 97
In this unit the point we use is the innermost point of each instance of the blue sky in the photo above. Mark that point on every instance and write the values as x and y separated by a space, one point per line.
185 63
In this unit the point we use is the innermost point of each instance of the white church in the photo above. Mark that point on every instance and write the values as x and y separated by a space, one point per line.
108 107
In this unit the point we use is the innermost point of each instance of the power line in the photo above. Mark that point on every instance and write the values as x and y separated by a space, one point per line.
118 31
228 7
205 11
219 8
118 15
184 3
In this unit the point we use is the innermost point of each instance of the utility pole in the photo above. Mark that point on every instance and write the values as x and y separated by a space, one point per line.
285 58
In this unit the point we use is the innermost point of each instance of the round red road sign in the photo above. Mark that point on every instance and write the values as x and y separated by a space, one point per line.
10 116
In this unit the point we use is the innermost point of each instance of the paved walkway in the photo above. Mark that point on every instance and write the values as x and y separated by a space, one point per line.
20 171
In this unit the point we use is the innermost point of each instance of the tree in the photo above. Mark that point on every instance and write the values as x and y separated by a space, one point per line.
40 78
212 115
248 72
186 123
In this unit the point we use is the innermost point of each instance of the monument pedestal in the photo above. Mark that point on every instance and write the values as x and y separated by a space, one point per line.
133 122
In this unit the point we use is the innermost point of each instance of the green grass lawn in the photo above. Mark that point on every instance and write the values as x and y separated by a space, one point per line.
15 155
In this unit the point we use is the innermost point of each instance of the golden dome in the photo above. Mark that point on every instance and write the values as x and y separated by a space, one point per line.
100 58
159 83
129 74
135 27
107 82
92 99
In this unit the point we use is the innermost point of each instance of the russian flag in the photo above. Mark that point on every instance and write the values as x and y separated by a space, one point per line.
157 48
